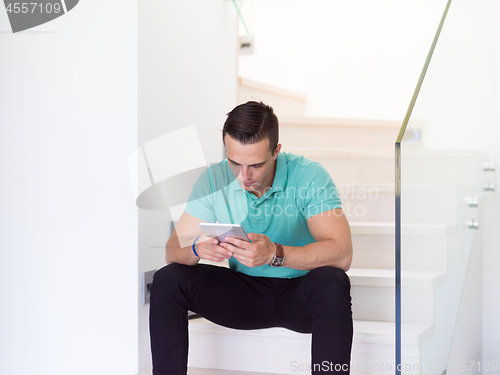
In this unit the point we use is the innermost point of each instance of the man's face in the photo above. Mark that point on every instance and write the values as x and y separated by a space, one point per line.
252 164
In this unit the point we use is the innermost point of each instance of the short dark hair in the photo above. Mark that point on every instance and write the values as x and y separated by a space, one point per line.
252 122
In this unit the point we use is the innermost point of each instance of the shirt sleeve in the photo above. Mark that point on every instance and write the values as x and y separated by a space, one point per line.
201 200
318 192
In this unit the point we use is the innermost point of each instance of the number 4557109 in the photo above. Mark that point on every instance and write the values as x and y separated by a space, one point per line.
33 8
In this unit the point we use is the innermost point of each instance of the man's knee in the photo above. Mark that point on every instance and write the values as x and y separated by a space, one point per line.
170 277
328 281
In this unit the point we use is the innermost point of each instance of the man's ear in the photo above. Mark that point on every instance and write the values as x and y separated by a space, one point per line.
277 150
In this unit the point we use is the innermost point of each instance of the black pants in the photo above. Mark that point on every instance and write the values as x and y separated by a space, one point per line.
317 303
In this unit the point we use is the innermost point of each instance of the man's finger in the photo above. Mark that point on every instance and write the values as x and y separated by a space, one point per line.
222 252
214 259
233 249
237 242
208 240
242 259
229 246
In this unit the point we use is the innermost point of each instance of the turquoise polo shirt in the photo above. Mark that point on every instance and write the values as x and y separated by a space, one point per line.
301 188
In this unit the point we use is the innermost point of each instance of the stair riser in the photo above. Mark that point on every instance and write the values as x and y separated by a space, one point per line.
367 203
247 353
336 136
284 102
420 252
370 359
282 106
382 170
259 354
378 304
370 204
359 170
354 167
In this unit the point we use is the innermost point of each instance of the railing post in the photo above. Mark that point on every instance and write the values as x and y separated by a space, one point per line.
398 258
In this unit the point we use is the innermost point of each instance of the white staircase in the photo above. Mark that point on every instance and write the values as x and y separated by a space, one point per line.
360 158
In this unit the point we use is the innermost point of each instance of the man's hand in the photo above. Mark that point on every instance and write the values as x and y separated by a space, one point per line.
179 245
251 254
209 249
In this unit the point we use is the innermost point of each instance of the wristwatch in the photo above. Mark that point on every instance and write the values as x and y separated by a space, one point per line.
279 257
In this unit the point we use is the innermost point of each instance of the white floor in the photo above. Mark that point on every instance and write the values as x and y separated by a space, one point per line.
203 371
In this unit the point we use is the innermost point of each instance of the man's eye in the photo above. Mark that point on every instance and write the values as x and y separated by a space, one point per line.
257 166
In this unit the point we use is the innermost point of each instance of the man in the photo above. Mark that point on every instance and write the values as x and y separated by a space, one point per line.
290 275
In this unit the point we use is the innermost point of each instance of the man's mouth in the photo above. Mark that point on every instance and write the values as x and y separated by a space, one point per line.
248 184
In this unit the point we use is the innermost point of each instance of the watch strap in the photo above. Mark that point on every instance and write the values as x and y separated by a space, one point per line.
279 257
279 250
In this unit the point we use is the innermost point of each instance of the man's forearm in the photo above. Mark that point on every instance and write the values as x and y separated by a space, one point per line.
174 253
318 254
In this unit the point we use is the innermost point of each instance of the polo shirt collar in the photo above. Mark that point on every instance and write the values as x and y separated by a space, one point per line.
280 176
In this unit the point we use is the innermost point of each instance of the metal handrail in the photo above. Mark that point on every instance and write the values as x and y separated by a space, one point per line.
241 18
422 75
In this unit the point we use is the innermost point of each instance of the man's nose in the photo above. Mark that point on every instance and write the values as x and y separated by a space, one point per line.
244 173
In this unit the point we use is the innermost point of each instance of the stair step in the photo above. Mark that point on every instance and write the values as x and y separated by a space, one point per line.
340 152
284 102
373 296
216 347
378 304
365 331
372 164
352 165
427 252
424 246
328 132
376 202
367 202
389 228
384 332
386 278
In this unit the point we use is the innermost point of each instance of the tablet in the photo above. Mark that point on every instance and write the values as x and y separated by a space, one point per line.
221 231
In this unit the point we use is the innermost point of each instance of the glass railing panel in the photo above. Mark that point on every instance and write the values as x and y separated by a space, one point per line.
440 186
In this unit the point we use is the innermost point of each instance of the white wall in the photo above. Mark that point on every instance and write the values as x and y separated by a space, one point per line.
459 95
353 59
68 224
187 76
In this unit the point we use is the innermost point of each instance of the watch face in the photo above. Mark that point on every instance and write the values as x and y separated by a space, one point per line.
277 261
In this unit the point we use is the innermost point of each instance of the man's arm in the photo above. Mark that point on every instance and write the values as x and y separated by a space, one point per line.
179 246
333 246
